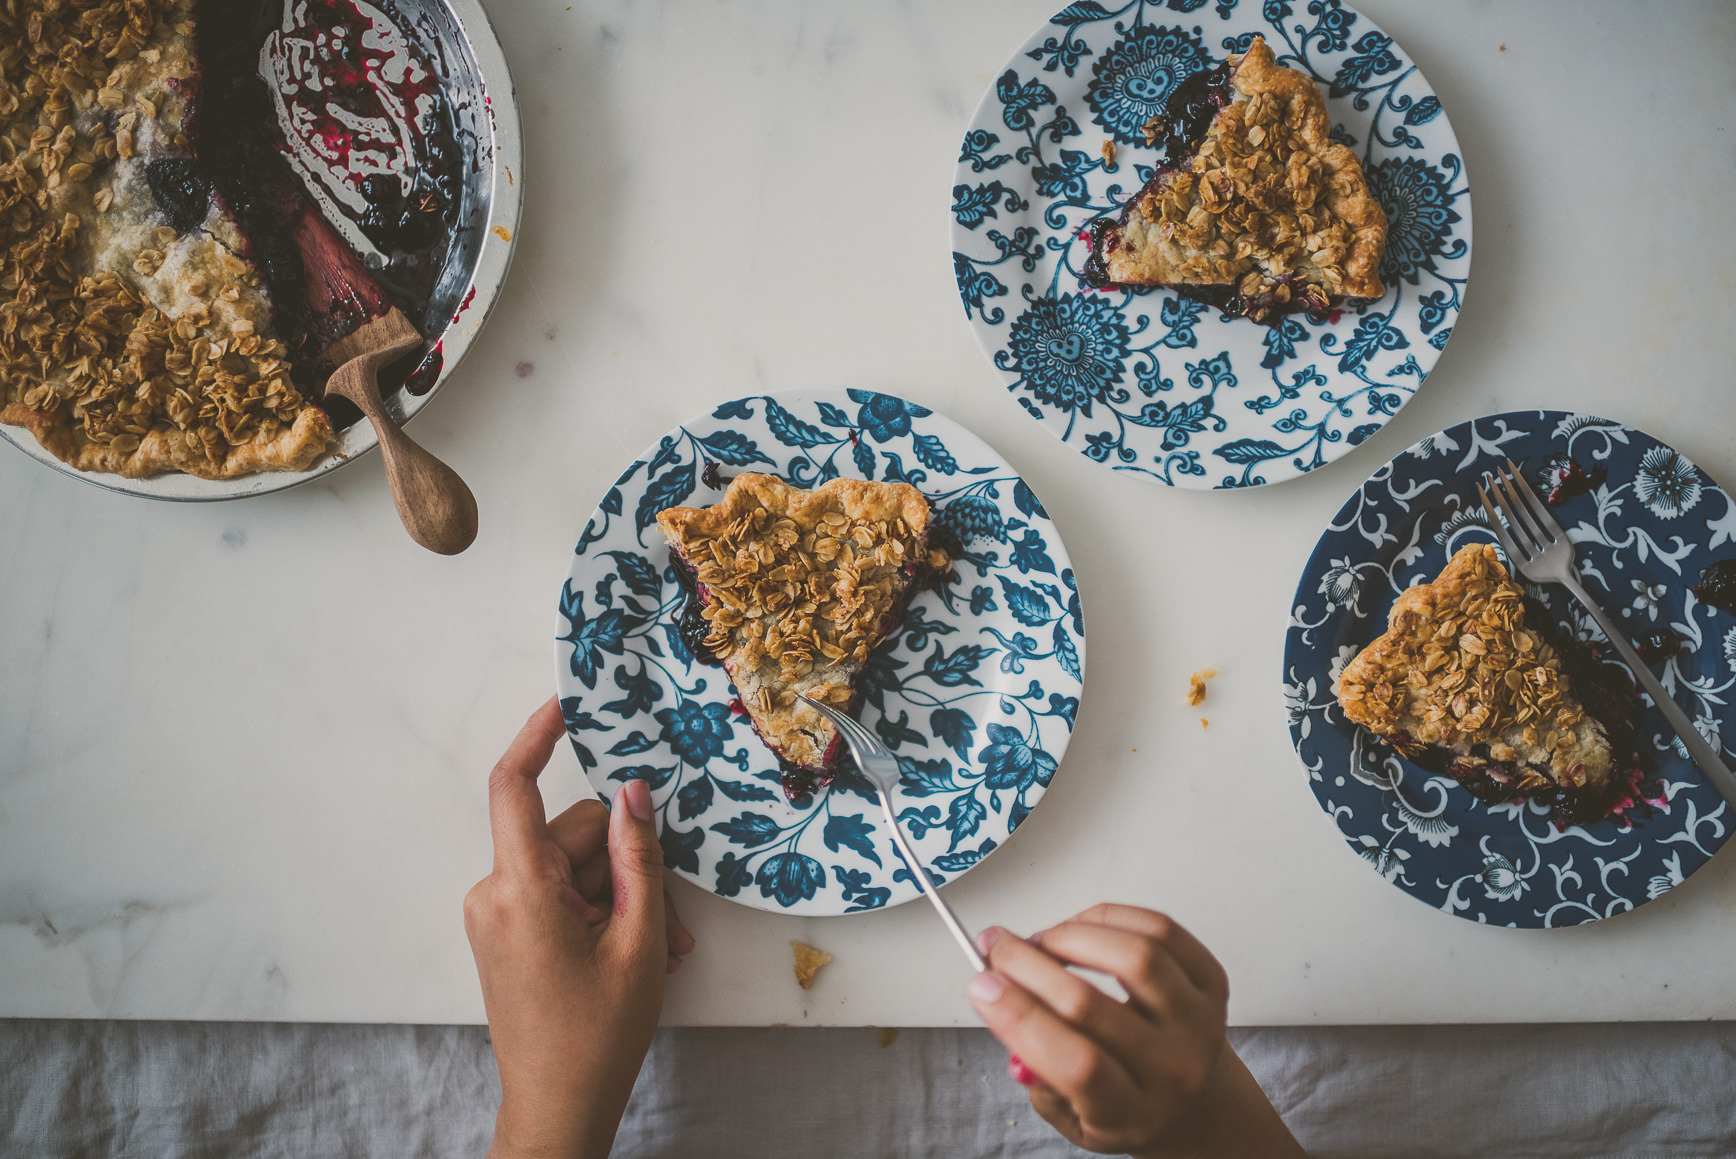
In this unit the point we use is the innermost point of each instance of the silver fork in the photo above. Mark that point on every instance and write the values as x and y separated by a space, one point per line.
880 768
1535 542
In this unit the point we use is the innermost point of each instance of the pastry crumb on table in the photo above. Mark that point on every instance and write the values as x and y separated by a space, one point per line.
808 963
1196 686
1204 723
1108 153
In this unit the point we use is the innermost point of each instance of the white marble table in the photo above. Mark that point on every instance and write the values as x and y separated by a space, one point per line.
243 747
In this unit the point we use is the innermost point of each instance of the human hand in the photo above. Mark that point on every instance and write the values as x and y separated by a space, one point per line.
1152 1076
573 935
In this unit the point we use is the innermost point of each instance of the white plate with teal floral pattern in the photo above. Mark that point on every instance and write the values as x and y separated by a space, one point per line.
1163 386
977 693
1646 525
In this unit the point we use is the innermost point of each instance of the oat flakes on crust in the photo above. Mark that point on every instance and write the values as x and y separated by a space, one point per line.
1268 193
1457 667
125 346
801 585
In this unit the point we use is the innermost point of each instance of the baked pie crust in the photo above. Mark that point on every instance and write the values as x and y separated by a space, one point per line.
1459 669
796 588
1268 207
127 344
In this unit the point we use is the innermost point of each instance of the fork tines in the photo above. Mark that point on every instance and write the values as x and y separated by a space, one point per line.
1525 526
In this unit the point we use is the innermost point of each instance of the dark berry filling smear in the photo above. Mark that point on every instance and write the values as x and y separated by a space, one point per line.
1717 586
398 206
692 626
1659 646
1609 697
1563 478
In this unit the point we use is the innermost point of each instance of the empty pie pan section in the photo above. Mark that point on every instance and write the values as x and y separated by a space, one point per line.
458 39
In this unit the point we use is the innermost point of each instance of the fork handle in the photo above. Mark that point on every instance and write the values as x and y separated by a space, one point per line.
929 889
1709 761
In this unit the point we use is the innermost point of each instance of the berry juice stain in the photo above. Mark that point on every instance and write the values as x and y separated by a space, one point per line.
366 127
1562 478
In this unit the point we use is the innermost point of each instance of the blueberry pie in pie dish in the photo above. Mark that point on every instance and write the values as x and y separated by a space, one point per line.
135 332
1473 679
1253 206
791 589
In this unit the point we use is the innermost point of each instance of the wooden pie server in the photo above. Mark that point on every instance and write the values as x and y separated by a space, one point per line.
359 332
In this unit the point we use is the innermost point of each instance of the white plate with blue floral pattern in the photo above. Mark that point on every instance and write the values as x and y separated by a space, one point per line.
1648 523
1159 385
977 693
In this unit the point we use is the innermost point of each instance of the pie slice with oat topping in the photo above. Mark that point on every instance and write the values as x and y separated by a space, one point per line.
1254 205
1462 683
135 334
791 589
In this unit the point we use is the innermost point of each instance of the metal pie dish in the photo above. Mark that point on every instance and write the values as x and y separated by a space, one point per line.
461 43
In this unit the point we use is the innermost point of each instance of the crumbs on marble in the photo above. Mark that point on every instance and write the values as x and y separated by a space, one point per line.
1196 686
808 963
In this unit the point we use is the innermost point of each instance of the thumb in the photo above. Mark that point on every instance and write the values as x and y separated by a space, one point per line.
636 863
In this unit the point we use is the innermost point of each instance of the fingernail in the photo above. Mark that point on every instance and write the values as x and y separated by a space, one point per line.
985 941
985 987
1021 1074
638 799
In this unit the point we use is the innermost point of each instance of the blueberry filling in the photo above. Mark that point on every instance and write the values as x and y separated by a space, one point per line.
182 192
240 153
1562 478
692 626
1717 586
712 476
1657 647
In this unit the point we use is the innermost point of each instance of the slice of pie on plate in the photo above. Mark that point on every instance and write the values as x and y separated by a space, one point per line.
791 589
1465 682
135 333
1253 206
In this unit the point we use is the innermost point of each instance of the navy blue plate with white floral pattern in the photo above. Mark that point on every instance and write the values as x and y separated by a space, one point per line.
977 693
1648 523
1157 384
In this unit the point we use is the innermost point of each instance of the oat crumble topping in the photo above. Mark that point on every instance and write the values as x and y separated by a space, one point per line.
125 345
1457 667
